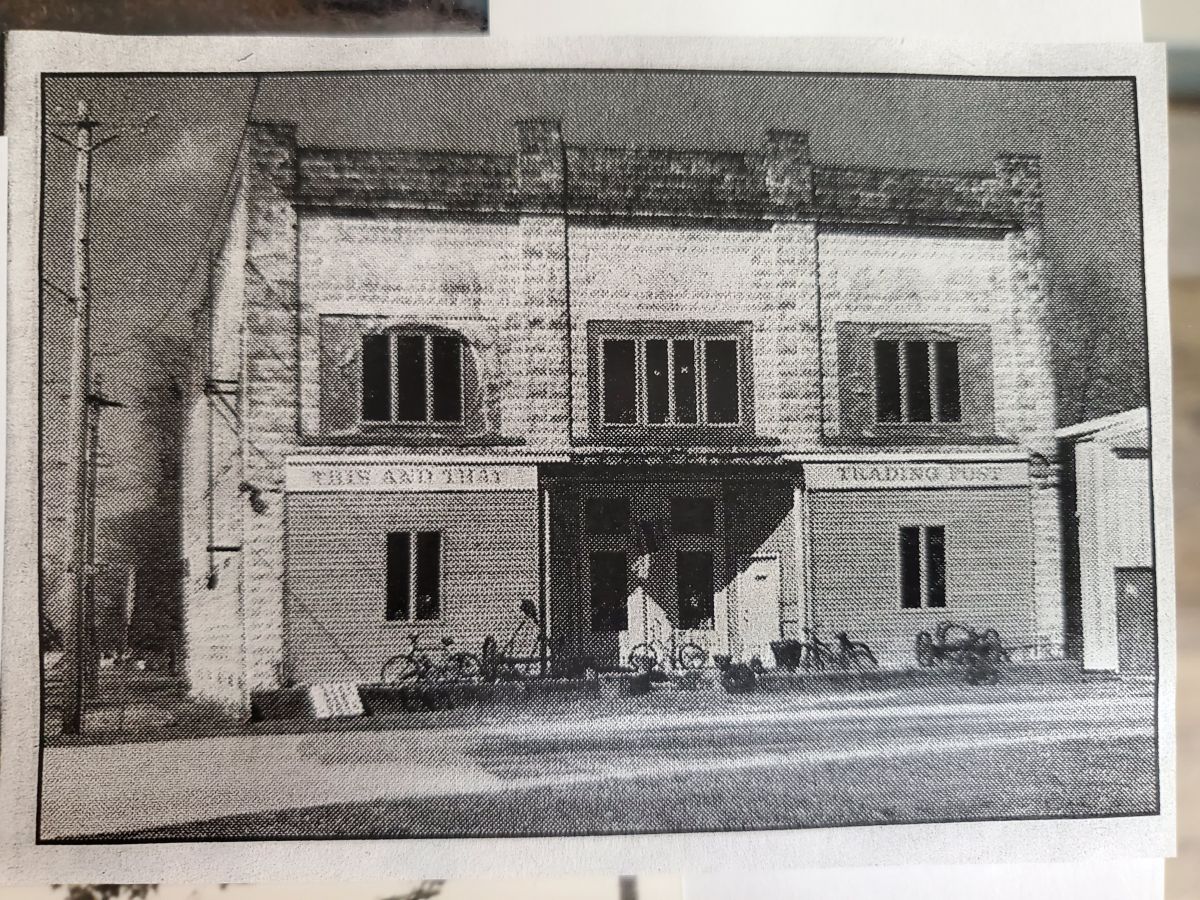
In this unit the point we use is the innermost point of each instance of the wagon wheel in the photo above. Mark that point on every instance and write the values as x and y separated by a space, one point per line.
643 658
924 649
691 657
400 669
946 628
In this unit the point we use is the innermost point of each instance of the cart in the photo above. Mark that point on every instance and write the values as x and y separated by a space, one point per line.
979 653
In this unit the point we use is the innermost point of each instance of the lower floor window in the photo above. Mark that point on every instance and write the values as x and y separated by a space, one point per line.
694 575
414 575
609 590
922 566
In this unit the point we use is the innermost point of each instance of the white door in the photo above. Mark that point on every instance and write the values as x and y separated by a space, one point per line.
758 606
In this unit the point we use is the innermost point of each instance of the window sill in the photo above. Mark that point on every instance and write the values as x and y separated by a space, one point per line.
407 438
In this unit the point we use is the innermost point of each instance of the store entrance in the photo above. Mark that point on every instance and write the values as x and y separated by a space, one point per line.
654 568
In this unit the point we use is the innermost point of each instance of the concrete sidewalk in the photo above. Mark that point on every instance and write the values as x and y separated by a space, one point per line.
133 786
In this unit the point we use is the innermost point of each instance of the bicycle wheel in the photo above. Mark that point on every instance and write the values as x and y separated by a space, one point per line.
643 657
691 657
400 669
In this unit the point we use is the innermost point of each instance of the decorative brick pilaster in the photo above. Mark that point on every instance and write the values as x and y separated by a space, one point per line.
788 165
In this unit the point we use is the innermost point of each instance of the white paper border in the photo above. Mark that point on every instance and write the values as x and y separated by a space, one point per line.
33 54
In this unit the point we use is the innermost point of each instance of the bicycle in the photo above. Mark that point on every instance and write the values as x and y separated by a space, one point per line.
651 655
420 665
813 654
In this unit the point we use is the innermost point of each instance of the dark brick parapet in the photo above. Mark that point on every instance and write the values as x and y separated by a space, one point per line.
778 183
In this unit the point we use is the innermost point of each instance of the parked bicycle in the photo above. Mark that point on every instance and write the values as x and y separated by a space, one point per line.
419 664
506 664
653 654
814 655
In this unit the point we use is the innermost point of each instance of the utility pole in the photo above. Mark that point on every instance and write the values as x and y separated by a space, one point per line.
82 414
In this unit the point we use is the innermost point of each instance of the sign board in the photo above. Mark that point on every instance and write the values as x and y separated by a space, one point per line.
335 701
304 476
867 475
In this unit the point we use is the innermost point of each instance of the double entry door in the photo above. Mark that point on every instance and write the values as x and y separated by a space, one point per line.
654 568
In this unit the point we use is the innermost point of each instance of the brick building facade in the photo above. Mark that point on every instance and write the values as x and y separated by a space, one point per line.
664 394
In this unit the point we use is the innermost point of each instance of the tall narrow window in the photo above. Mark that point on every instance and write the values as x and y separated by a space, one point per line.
428 582
399 575
910 568
658 384
887 381
413 578
949 404
684 376
620 382
376 378
412 379
916 366
692 515
609 590
446 378
411 386
721 380
606 515
935 565
694 577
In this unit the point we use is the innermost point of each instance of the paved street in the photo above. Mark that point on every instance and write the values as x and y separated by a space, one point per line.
769 761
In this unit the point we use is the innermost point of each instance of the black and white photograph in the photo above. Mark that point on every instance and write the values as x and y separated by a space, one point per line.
500 452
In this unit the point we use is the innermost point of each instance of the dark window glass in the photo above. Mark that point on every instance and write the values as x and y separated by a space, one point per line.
721 381
685 381
620 382
446 372
610 590
887 381
935 565
945 360
606 515
410 378
916 365
428 603
376 378
399 572
692 515
694 575
910 568
657 383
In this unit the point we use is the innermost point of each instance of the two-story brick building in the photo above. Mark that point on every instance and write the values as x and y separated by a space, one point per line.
712 395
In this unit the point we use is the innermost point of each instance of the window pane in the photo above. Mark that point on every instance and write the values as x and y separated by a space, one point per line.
721 380
694 571
606 515
657 385
910 568
376 378
916 366
945 360
399 569
685 381
887 381
620 382
610 590
410 378
429 575
446 365
935 564
692 515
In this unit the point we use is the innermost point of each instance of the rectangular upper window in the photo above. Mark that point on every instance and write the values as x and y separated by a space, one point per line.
414 576
412 379
917 381
921 382
922 566
671 375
